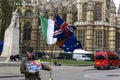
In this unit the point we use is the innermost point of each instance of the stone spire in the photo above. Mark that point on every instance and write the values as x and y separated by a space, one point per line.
112 12
119 9
36 10
118 15
70 7
51 11
60 9
112 7
39 2
111 30
70 13
43 11
90 5
90 9
89 29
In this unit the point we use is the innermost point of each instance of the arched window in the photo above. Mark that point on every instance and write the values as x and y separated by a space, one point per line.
98 38
27 31
28 13
84 14
74 14
81 36
64 14
97 12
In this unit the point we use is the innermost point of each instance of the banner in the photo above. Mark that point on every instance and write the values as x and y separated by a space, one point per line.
34 65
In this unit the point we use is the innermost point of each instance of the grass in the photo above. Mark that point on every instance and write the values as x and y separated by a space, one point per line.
69 62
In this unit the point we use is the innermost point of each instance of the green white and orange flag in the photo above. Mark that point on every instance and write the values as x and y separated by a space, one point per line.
48 30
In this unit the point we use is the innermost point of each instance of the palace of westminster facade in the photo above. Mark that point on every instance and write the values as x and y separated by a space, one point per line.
97 23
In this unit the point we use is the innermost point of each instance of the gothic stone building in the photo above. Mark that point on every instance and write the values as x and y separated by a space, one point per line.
97 23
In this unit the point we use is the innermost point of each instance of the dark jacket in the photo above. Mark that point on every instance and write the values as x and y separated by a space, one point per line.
29 76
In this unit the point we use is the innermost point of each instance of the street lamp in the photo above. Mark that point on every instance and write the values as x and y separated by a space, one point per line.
0 18
36 16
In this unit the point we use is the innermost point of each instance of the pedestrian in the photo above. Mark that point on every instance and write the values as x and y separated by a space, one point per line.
31 75
12 58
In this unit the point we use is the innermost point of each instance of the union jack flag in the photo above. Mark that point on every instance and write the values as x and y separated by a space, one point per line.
62 30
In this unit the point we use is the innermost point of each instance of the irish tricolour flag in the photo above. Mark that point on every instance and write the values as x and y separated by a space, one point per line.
48 30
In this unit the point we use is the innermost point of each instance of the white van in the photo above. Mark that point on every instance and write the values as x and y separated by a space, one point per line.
79 54
81 57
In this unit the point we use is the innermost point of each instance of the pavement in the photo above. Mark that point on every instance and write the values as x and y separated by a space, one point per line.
12 69
9 71
9 64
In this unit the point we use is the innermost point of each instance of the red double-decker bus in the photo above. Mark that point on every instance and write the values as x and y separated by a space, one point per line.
106 60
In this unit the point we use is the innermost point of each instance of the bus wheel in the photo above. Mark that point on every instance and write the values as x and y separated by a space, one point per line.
98 68
109 66
119 66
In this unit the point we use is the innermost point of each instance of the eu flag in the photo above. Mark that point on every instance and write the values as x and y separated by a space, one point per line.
71 44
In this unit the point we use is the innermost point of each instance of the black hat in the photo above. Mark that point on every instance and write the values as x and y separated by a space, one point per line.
30 49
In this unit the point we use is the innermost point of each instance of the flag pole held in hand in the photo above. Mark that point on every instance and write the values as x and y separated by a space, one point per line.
50 76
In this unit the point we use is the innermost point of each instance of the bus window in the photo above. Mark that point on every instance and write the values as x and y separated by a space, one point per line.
112 57
100 57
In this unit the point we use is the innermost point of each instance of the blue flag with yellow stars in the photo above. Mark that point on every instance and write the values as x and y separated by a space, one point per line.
71 44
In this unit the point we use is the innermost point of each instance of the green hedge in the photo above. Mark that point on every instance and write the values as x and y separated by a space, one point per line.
66 56
69 62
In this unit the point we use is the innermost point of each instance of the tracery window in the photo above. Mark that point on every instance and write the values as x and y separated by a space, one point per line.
28 13
98 37
84 14
97 12
81 36
105 39
27 32
118 40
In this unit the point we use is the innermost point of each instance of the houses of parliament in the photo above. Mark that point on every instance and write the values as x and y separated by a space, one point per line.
97 23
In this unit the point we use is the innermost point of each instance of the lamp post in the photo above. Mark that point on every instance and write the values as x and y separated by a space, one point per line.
36 16
94 48
0 27
0 20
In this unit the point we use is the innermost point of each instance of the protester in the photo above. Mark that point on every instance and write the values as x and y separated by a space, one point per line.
15 57
12 58
31 75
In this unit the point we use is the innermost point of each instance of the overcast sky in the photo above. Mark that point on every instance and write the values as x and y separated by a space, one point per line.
117 2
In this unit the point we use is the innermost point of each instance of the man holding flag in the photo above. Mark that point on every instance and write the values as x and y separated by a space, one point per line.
31 67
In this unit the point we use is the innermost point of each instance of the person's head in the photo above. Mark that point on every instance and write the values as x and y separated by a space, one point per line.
30 52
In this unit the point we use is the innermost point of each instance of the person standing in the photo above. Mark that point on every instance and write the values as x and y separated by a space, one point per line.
31 75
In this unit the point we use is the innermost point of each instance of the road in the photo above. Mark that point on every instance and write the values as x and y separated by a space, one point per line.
63 73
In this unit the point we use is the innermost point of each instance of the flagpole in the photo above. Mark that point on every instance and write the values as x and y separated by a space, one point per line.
53 50
52 61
